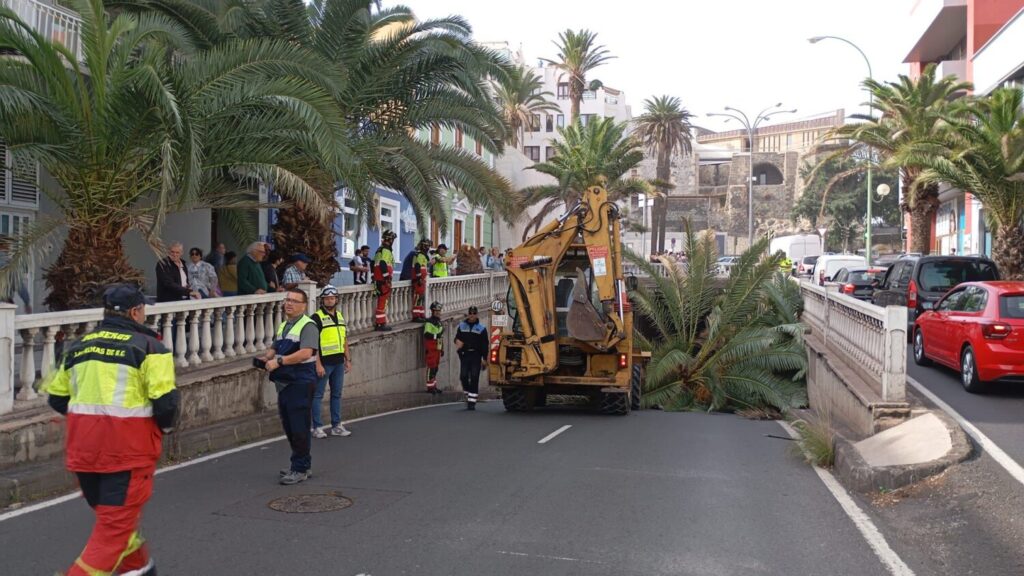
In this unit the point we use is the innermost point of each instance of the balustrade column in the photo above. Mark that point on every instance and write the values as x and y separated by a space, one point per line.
193 337
250 310
168 331
240 330
7 338
207 338
49 345
268 324
229 332
28 364
181 341
259 325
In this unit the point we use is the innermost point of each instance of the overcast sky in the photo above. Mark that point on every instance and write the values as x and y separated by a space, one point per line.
748 54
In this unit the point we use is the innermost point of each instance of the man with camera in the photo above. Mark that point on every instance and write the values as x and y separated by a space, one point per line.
291 363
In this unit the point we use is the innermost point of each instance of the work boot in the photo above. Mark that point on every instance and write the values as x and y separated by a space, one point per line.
471 406
419 320
382 328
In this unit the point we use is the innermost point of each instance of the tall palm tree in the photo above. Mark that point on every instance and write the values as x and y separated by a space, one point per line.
130 133
909 111
519 95
664 129
598 154
987 159
578 55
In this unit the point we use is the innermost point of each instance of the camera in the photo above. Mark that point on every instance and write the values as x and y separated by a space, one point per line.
259 363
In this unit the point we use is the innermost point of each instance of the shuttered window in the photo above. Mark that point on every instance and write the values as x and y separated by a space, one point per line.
20 181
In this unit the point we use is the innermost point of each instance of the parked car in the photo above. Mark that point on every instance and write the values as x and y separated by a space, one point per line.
805 265
978 329
859 282
725 263
918 282
826 266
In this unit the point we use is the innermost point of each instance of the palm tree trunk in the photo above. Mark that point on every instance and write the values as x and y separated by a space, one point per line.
664 174
922 216
1008 252
299 230
92 258
574 108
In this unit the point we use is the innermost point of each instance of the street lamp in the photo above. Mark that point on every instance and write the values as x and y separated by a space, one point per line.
739 116
871 107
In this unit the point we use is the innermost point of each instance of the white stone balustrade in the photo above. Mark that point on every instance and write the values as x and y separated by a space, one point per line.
54 23
871 340
202 332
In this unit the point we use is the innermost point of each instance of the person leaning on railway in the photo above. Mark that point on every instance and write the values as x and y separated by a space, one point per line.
116 387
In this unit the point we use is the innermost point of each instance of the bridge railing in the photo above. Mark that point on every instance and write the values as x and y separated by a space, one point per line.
871 340
205 332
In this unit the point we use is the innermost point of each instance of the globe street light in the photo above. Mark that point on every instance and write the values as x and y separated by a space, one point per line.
751 127
871 108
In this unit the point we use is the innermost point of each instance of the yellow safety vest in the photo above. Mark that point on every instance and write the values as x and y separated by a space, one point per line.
440 269
332 334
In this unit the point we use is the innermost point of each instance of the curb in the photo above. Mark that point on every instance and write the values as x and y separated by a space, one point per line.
858 476
23 484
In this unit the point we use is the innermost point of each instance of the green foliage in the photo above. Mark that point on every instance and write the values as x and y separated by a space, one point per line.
598 154
737 348
520 95
578 55
816 441
664 129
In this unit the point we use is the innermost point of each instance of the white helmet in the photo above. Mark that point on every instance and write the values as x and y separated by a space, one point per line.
328 290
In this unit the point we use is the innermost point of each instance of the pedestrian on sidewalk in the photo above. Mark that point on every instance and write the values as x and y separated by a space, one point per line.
471 345
115 427
433 344
291 363
332 363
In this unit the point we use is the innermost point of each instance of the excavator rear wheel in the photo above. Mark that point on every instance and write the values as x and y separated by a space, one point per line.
514 399
614 403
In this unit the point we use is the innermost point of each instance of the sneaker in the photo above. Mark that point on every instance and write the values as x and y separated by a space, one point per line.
293 477
319 433
285 471
339 430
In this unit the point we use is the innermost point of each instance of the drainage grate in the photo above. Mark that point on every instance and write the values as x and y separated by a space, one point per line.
310 503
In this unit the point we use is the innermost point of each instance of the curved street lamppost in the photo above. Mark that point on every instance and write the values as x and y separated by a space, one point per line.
751 127
871 108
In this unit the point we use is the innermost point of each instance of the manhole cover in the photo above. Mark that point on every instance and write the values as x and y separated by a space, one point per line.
310 503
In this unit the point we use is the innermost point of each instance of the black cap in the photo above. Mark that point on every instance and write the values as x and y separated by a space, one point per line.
124 297
472 310
300 257
442 247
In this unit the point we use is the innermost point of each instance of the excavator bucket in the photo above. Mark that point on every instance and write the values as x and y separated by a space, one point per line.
583 322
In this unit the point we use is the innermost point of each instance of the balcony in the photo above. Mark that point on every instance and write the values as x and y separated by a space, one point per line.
956 68
1000 59
53 22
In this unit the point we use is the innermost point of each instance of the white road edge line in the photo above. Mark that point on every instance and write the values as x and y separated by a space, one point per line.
551 436
68 497
987 445
874 538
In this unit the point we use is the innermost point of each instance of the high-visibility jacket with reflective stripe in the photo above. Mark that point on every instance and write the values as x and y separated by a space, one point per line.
383 265
433 329
111 376
440 268
332 334
286 344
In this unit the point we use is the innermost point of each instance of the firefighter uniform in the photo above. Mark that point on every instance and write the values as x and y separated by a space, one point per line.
383 273
420 271
433 344
116 387
471 340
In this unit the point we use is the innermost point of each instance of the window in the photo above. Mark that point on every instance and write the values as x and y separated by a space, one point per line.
587 118
478 232
535 123
939 276
389 221
19 181
435 135
1011 306
974 300
560 120
951 301
563 90
789 140
479 148
549 123
350 227
532 152
589 95
458 138
549 153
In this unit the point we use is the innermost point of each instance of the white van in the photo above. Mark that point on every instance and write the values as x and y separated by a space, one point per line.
827 266
796 247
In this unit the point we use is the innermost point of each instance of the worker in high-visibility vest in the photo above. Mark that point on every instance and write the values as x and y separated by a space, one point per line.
439 263
786 265
420 272
116 387
383 273
433 345
332 363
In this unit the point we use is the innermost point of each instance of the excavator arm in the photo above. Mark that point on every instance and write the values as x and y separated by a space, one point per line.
593 224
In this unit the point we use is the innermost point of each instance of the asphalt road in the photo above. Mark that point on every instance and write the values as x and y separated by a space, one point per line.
998 413
441 491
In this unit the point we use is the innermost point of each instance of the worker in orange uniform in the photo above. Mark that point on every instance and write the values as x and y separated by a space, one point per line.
383 273
116 387
420 273
433 345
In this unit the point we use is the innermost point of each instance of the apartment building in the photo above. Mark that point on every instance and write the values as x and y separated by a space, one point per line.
978 41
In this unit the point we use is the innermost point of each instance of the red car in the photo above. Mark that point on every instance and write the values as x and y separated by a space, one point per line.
978 329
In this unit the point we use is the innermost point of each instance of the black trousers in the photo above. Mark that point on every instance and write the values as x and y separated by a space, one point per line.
469 374
293 405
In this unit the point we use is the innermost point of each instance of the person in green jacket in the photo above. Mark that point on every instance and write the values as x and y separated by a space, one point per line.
250 275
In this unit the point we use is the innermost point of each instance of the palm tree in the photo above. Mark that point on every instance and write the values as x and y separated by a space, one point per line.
577 56
909 111
664 129
130 133
519 95
711 349
987 158
598 154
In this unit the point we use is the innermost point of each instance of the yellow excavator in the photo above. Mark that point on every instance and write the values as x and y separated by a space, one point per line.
566 324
